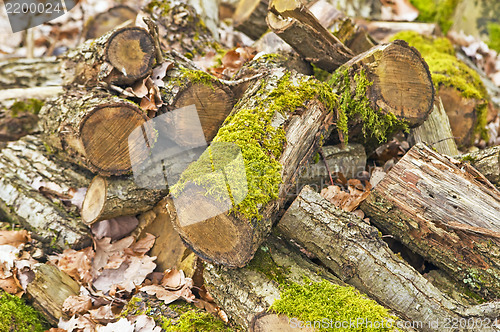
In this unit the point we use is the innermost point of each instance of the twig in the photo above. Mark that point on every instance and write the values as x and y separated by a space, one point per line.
326 164
153 30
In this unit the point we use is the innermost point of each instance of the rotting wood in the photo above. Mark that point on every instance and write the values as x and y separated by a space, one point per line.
446 213
487 162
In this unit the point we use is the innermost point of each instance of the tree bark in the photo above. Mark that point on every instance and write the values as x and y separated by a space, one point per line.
436 131
446 213
296 25
487 162
120 57
29 73
26 171
246 293
49 289
250 17
354 251
92 129
108 198
231 238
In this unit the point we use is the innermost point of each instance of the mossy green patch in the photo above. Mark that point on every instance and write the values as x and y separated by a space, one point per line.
324 301
30 105
261 143
439 11
196 321
354 105
16 316
494 36
199 76
448 71
264 263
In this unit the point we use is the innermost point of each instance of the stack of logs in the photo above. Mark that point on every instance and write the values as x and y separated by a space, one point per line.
442 209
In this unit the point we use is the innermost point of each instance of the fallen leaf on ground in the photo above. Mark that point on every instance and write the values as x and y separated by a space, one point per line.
77 264
102 315
115 228
105 249
123 325
141 247
14 238
173 279
77 304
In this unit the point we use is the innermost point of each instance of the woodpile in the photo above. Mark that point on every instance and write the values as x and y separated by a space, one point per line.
243 216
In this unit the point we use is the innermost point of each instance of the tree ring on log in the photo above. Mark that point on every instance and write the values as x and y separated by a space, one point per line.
105 137
399 78
108 20
131 51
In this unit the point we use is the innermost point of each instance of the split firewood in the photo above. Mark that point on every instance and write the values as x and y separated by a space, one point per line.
170 251
49 289
446 213
119 57
436 132
92 128
354 251
32 188
295 24
487 162
250 17
247 293
106 21
108 198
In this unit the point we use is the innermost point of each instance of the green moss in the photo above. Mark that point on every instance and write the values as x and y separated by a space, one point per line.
263 262
16 316
199 76
439 11
196 321
30 105
494 36
448 71
162 5
320 301
354 105
261 145
320 74
468 158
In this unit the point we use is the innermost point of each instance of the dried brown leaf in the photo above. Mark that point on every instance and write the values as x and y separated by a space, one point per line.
104 249
102 315
14 238
77 304
130 274
10 285
160 72
141 247
115 228
77 264
173 279
161 293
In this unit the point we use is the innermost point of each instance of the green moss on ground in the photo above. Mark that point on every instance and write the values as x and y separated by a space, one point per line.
353 104
494 35
326 302
30 105
261 144
16 316
438 11
448 71
195 321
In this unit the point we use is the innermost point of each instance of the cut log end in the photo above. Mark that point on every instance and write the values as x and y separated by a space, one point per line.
213 104
249 17
402 83
109 20
105 136
222 239
95 198
131 51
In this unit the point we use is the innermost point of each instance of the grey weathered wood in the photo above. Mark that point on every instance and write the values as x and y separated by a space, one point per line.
487 162
356 253
449 214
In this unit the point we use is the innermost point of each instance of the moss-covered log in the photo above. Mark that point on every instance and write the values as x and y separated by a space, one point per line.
446 213
108 198
276 126
281 280
460 88
27 172
120 57
436 132
92 128
487 162
355 252
295 24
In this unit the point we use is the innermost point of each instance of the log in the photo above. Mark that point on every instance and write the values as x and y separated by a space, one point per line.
108 198
355 252
49 289
106 21
26 170
295 24
120 57
383 30
231 238
487 162
444 212
436 132
250 17
246 293
92 128
29 73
